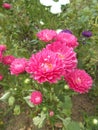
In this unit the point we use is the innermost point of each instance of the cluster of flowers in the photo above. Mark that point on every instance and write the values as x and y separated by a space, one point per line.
58 59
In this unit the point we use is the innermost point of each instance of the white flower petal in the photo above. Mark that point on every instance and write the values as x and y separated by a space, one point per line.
55 8
58 30
47 2
64 2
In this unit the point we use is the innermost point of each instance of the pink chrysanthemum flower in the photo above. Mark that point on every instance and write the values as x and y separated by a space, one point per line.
46 35
7 60
2 48
36 97
18 66
65 53
79 81
1 76
69 39
6 6
45 66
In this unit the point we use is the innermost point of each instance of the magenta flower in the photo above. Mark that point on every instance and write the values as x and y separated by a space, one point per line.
18 66
69 39
46 35
2 48
1 76
79 81
45 66
7 60
36 97
65 53
6 6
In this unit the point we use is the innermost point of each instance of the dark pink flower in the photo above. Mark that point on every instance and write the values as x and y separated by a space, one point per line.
1 76
65 53
79 81
18 66
2 48
36 97
6 6
45 66
7 60
69 39
46 35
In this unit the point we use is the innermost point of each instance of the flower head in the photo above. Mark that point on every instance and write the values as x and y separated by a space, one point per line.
45 66
7 60
46 35
36 97
79 81
6 6
87 33
65 53
69 39
18 66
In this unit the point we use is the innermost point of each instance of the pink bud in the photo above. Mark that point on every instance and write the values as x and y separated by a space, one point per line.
51 113
6 6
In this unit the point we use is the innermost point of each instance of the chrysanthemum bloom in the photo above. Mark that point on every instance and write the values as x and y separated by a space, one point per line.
51 113
2 48
6 6
69 39
45 66
7 60
1 76
18 66
79 81
65 53
46 35
87 33
67 31
36 97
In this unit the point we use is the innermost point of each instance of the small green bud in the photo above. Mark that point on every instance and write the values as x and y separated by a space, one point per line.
44 109
66 87
17 110
95 121
11 100
26 81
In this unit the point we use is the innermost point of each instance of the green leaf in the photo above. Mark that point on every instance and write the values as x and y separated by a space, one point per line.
67 105
17 110
39 120
27 99
11 100
73 126
5 96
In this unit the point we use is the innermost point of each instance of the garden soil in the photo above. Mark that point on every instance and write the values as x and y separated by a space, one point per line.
82 104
